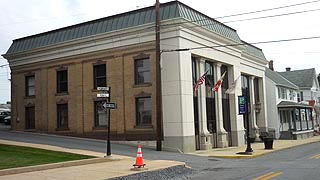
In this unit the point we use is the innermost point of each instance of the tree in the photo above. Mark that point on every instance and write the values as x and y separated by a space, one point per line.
318 78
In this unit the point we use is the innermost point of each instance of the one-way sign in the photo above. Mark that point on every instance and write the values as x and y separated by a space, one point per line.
108 105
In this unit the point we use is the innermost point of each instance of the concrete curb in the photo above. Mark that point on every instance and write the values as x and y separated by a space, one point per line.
54 165
260 154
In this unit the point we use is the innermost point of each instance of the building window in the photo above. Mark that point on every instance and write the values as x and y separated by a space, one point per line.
301 96
30 117
256 91
99 75
142 71
30 85
62 81
100 115
291 94
282 93
143 111
62 115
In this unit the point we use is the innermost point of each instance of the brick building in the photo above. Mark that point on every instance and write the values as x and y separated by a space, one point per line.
55 76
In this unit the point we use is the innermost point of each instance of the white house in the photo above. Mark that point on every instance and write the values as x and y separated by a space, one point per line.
289 118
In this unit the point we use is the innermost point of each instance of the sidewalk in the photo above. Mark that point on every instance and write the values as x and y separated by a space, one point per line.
258 148
98 168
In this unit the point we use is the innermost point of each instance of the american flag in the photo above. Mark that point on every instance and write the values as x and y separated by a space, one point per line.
200 81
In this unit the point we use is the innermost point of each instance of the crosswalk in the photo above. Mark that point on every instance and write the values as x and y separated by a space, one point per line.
267 176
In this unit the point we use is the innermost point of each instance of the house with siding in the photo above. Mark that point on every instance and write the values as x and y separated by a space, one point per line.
309 90
287 117
55 76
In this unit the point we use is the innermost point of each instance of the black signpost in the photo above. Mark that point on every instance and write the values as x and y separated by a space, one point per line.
107 105
243 105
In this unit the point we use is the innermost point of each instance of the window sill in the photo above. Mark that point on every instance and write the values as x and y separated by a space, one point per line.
62 94
63 129
144 127
30 97
100 128
142 85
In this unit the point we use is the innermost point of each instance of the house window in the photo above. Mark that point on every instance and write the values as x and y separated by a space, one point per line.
100 115
62 115
142 71
62 81
282 93
143 111
99 75
301 96
30 117
292 95
30 85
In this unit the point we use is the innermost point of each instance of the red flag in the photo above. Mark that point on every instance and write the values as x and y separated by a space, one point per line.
200 81
219 82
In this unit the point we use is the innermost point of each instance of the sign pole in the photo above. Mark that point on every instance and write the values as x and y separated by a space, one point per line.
249 149
108 140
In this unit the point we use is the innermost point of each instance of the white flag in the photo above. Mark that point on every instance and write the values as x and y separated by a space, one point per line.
232 87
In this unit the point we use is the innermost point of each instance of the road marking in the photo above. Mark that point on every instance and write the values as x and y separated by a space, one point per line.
267 176
317 156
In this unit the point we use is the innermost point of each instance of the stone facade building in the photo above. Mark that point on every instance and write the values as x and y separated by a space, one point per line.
55 76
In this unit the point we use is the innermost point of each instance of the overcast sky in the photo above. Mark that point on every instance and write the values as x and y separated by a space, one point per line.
20 18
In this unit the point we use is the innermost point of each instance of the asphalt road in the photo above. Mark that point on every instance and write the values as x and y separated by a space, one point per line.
297 163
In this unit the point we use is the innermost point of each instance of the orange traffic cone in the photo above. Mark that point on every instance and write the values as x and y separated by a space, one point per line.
139 160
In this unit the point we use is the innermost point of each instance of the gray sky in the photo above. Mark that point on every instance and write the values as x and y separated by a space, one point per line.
20 18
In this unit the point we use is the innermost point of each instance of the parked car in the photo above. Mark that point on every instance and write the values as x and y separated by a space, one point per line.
7 120
4 114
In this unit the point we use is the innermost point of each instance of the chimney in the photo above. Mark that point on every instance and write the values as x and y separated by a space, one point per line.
288 69
271 65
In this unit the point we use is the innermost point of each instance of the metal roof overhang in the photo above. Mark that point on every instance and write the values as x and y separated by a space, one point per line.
288 104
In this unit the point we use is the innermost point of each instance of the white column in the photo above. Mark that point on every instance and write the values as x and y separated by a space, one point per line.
203 130
253 120
221 132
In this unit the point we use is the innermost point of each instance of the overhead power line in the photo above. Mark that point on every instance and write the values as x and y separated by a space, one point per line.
264 10
277 15
241 44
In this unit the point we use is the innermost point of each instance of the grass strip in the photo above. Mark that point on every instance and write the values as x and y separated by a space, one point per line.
21 156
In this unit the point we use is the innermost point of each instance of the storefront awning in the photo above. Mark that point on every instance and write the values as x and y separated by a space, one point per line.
289 104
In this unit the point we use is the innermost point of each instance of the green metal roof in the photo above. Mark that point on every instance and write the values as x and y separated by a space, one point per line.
302 78
170 10
279 80
253 50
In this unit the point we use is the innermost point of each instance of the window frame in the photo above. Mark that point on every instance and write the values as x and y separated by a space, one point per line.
139 122
28 86
147 70
59 81
30 117
96 114
97 78
60 108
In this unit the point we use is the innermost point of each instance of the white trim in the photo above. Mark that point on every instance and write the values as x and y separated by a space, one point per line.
302 132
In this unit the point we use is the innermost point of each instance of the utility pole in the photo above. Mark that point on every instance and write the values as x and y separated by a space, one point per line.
158 79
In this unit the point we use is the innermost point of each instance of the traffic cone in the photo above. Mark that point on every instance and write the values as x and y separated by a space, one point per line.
139 165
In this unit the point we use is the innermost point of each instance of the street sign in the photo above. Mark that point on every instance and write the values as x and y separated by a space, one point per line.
103 88
242 104
108 105
102 95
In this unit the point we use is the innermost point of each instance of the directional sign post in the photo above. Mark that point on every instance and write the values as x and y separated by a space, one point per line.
107 105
